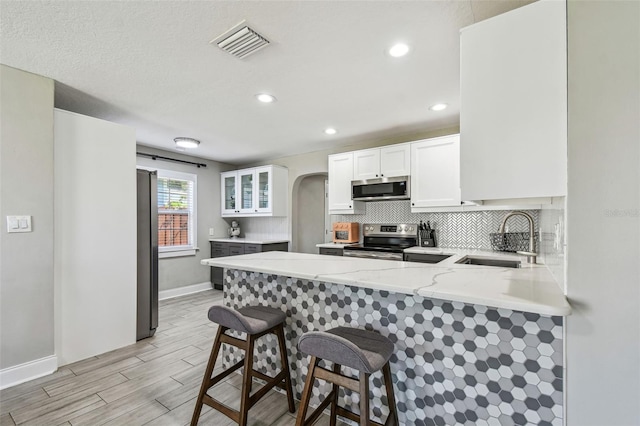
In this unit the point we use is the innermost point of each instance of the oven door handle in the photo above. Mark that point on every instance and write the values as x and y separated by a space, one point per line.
394 256
383 256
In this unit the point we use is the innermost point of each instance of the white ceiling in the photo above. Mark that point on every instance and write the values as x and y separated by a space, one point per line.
149 64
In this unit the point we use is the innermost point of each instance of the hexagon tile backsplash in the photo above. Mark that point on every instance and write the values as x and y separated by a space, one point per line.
454 363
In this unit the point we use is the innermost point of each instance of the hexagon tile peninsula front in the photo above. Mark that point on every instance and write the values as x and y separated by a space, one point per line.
453 362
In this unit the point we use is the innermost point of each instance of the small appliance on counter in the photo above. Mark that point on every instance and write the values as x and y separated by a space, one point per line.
346 232
426 235
234 231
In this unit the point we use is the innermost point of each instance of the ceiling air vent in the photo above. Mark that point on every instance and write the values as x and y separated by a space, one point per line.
240 41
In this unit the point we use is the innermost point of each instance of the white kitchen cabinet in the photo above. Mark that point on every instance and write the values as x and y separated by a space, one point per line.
513 119
395 160
435 177
259 191
228 190
246 182
340 177
388 161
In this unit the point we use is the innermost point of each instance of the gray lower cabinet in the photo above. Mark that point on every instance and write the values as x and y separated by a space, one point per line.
331 251
223 249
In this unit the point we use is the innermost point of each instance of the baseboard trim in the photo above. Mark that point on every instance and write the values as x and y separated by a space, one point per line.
183 291
28 371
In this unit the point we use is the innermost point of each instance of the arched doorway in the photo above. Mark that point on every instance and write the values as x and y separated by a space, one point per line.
309 213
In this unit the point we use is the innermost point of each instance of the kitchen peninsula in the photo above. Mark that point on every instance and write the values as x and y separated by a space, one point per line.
473 343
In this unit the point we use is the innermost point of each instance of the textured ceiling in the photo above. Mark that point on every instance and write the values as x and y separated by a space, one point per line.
149 64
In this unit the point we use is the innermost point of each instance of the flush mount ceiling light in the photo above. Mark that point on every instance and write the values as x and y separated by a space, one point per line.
330 131
438 107
398 50
266 98
186 142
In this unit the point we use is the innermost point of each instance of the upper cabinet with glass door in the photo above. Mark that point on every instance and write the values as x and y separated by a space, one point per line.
229 183
247 191
261 191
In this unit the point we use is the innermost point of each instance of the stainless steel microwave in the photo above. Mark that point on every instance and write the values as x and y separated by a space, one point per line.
393 188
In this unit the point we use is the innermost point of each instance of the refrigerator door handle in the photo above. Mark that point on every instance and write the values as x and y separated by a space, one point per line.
153 190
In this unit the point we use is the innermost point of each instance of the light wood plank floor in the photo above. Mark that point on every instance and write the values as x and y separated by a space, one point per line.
153 382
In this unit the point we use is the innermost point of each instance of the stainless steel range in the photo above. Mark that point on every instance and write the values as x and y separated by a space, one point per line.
384 241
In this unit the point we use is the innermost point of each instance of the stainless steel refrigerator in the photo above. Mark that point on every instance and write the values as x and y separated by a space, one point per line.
147 312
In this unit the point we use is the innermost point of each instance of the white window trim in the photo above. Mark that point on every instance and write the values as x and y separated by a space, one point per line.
176 252
190 250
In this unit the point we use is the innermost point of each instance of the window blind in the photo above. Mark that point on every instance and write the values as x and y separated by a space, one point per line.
176 210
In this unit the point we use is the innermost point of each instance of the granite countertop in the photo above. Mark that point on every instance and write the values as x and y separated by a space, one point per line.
247 240
531 288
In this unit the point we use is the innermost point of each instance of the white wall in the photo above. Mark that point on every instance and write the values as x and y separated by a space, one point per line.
603 213
26 188
95 236
184 271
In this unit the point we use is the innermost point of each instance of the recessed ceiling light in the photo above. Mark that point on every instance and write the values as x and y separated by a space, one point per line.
330 131
186 142
398 50
266 98
438 107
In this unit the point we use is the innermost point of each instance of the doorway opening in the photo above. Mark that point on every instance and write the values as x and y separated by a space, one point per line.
310 218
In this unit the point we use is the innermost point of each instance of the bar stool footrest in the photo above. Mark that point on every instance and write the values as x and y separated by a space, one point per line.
343 412
315 415
214 380
224 409
271 382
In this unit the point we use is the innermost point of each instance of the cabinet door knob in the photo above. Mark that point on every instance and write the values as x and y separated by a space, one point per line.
413 204
256 211
376 175
349 206
381 175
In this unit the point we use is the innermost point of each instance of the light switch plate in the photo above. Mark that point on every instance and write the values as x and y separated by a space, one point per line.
18 223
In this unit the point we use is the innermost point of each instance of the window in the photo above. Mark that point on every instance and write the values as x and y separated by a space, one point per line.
176 213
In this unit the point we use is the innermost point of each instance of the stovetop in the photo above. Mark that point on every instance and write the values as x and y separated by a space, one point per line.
387 238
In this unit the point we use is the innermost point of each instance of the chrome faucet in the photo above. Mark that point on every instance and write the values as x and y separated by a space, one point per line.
531 254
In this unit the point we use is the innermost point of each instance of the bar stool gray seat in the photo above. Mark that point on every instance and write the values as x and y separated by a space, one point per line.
362 350
255 321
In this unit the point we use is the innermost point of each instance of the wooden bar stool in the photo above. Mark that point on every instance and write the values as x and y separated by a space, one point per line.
255 321
362 350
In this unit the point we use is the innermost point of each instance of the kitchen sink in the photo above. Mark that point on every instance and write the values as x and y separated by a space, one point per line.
425 257
484 261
